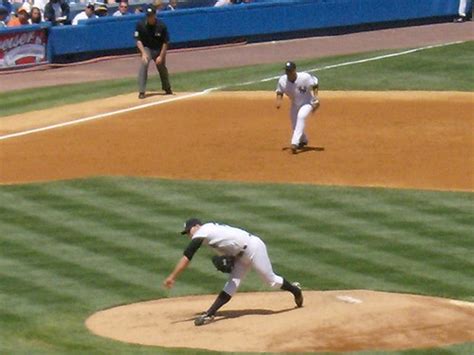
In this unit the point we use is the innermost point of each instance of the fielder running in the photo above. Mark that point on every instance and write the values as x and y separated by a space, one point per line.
238 248
302 89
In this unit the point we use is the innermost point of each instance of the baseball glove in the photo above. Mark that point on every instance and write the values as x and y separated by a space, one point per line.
315 103
223 263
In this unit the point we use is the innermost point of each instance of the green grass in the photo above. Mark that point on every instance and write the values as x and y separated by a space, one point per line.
68 249
443 69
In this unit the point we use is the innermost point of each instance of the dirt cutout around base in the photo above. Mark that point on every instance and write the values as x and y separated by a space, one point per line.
347 320
419 140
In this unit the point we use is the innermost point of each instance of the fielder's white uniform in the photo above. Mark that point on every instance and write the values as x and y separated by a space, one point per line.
301 95
249 249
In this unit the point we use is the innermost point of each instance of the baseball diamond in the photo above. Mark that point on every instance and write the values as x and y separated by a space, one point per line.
375 208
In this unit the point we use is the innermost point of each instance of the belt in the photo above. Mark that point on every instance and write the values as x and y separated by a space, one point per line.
242 251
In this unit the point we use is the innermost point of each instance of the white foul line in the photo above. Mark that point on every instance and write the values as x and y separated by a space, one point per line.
103 115
397 54
206 91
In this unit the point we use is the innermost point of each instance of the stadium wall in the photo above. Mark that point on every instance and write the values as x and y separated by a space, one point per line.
257 21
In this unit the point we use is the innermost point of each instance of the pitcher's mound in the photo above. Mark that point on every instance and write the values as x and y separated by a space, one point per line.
329 321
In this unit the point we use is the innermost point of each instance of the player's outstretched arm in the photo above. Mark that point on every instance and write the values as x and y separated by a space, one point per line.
315 100
179 268
279 99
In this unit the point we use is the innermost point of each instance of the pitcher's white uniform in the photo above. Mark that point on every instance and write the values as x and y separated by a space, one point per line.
300 93
245 250
250 249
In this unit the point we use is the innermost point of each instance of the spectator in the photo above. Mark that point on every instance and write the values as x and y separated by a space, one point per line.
158 4
462 11
35 15
3 16
41 4
172 5
22 17
57 12
89 12
152 41
101 10
122 9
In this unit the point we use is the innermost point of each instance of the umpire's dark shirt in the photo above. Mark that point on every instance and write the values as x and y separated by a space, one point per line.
152 36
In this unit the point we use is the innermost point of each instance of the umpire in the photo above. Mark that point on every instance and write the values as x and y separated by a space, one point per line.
152 41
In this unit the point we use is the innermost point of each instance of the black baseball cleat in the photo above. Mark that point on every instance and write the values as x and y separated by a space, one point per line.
294 149
299 295
168 92
302 145
203 319
141 95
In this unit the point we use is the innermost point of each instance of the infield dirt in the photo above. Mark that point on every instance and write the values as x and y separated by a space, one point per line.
417 140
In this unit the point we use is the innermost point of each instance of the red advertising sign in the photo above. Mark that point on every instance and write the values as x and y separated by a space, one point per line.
21 48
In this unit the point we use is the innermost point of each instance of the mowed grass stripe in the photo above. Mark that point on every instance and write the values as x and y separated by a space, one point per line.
344 236
366 225
52 239
94 269
121 227
355 203
149 197
380 212
40 275
169 244
57 262
17 287
74 230
221 199
370 220
388 234
121 263
244 208
364 251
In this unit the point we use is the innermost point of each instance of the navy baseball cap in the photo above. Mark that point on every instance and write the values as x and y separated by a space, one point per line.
290 66
190 223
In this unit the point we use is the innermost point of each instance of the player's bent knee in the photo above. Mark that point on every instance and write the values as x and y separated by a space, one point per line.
275 281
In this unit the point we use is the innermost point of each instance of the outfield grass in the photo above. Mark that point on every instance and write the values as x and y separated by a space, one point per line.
68 249
442 69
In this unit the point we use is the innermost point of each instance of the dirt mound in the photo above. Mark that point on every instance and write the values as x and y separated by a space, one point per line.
329 321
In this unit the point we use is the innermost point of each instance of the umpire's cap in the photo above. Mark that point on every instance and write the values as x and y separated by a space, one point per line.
150 10
190 223
290 66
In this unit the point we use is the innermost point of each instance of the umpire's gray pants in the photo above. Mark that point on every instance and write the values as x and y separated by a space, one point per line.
162 70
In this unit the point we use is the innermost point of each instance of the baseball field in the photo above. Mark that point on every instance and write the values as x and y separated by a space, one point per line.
374 219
